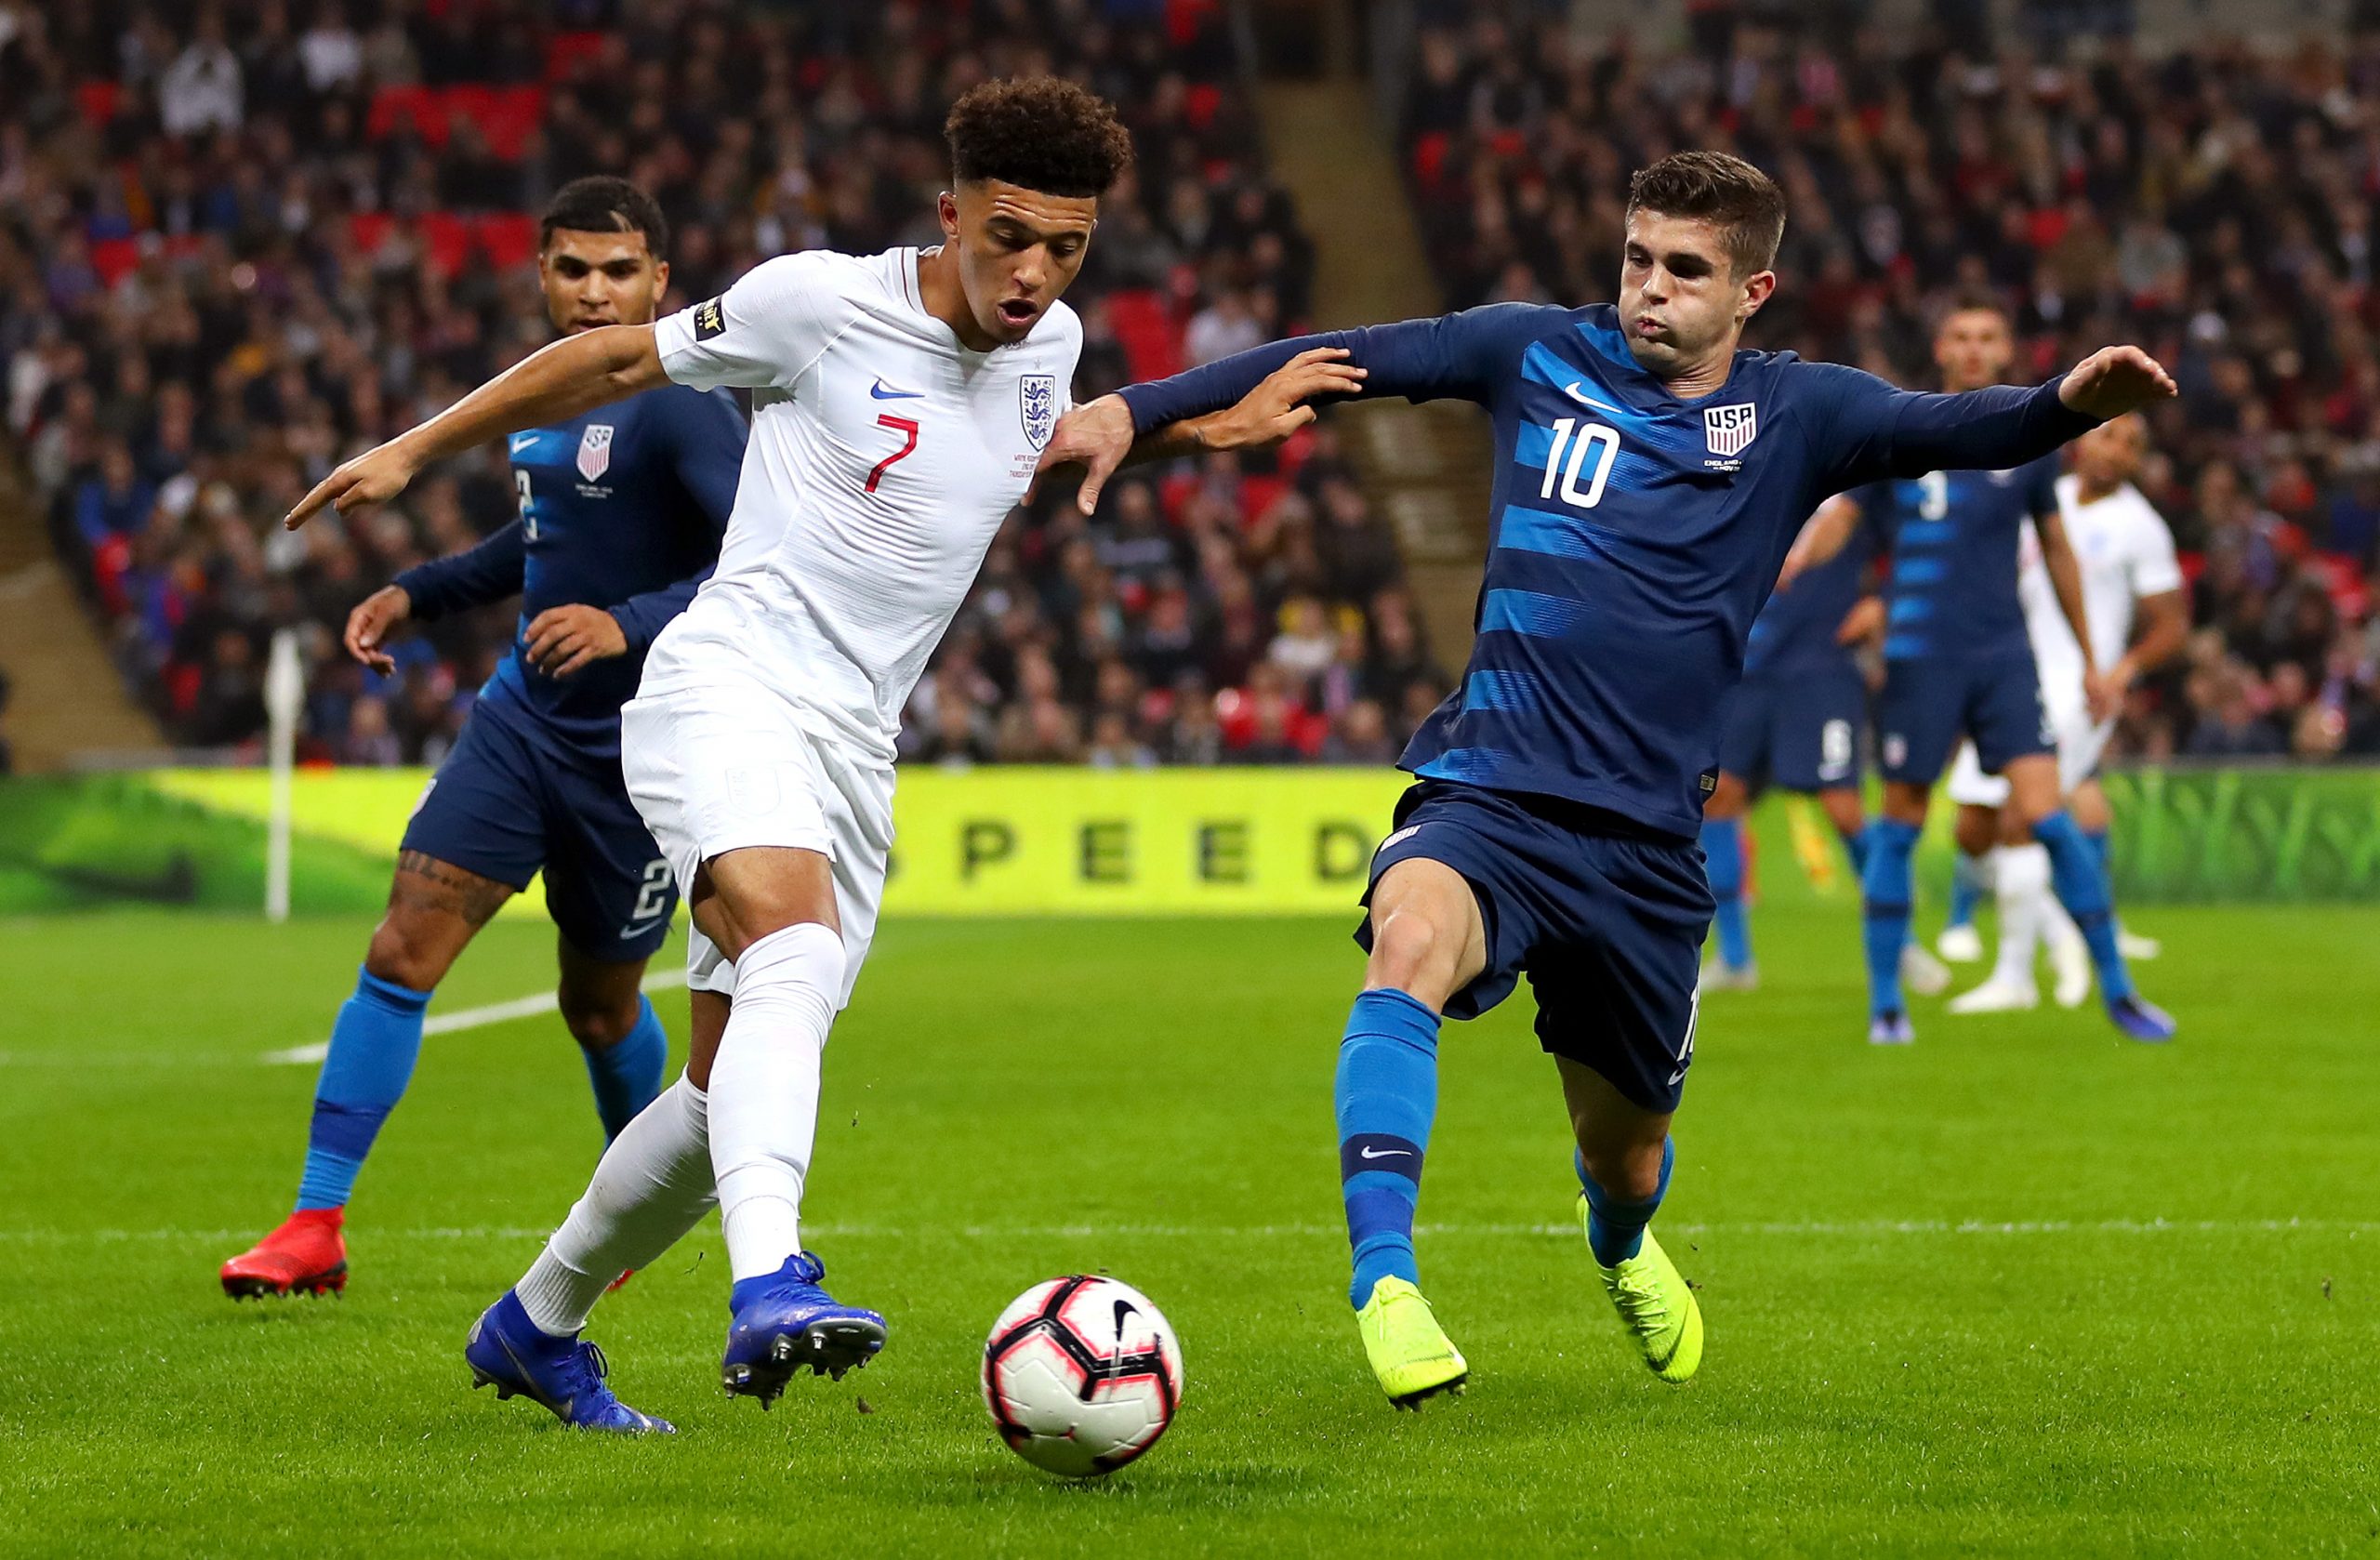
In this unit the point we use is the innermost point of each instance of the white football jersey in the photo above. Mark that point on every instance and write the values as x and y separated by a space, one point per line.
883 458
2125 553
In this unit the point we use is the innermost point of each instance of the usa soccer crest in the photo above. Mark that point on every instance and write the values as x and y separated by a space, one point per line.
595 451
1038 402
1729 429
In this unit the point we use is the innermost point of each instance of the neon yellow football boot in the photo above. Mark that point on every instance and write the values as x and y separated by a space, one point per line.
1409 1352
1656 1307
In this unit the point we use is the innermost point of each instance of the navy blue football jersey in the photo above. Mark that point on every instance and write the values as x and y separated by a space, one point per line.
1955 536
1796 630
1634 536
622 508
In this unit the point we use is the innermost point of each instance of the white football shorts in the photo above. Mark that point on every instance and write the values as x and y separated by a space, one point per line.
731 764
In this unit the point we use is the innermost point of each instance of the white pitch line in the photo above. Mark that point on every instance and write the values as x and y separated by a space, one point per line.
1566 1231
469 1018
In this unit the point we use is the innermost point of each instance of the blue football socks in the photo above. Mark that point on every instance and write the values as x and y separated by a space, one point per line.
1723 853
627 1075
1616 1229
2082 886
1966 890
1386 1093
1884 915
1854 845
374 1046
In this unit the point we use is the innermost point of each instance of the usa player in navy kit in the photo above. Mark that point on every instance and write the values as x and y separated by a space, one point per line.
1795 722
1957 662
1649 481
621 511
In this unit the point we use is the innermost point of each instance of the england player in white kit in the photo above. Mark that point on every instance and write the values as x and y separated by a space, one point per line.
900 403
2130 576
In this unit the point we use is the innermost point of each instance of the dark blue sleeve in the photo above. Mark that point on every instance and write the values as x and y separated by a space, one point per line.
473 577
1864 429
1462 356
705 434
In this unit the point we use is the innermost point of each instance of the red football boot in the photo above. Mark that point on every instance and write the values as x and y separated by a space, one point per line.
306 1253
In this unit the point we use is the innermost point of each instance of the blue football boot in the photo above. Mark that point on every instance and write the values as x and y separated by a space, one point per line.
2141 1020
783 1321
563 1374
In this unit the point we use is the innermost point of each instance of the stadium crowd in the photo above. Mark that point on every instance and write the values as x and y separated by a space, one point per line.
240 243
2215 204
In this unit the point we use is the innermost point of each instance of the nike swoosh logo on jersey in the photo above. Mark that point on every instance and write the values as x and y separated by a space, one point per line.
884 392
1368 1152
1575 393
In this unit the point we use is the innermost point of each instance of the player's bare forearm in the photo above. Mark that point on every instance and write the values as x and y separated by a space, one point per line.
1099 436
554 384
2066 579
1823 536
2165 628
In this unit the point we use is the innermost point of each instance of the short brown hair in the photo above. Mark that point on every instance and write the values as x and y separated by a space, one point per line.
1743 203
1039 133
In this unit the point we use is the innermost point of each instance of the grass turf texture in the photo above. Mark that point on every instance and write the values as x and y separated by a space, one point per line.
1009 1100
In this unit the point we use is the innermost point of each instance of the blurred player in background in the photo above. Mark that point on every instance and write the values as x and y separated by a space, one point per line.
1957 662
2129 574
901 401
1649 480
1797 722
620 517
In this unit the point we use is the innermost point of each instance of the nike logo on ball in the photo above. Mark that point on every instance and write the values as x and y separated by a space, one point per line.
882 391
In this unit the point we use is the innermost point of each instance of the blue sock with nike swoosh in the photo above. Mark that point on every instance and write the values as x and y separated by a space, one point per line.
1386 1093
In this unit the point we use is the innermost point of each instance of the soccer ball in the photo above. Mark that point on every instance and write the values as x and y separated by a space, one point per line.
1081 1375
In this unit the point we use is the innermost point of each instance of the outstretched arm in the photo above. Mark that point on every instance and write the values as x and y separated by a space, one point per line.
1421 360
1878 431
554 384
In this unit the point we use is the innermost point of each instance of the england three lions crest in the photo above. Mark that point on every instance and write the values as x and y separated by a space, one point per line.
1038 402
595 451
1727 430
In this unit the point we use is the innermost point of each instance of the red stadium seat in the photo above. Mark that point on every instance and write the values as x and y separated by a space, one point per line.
407 108
1199 104
112 256
1183 19
447 239
1430 156
1146 329
510 238
566 51
367 230
96 100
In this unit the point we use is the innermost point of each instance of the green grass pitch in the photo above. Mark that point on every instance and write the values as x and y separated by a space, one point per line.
2020 1288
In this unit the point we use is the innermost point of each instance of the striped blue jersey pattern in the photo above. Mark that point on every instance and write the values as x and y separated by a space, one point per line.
1634 536
1955 539
622 508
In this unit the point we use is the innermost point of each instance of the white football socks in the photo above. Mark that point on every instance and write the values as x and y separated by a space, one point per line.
652 1186
2021 880
764 1090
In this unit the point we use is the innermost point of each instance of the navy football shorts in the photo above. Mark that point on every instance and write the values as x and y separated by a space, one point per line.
1605 921
1796 730
515 795
1930 702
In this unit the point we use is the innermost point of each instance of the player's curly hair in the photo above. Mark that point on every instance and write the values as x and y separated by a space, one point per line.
1725 191
1039 133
